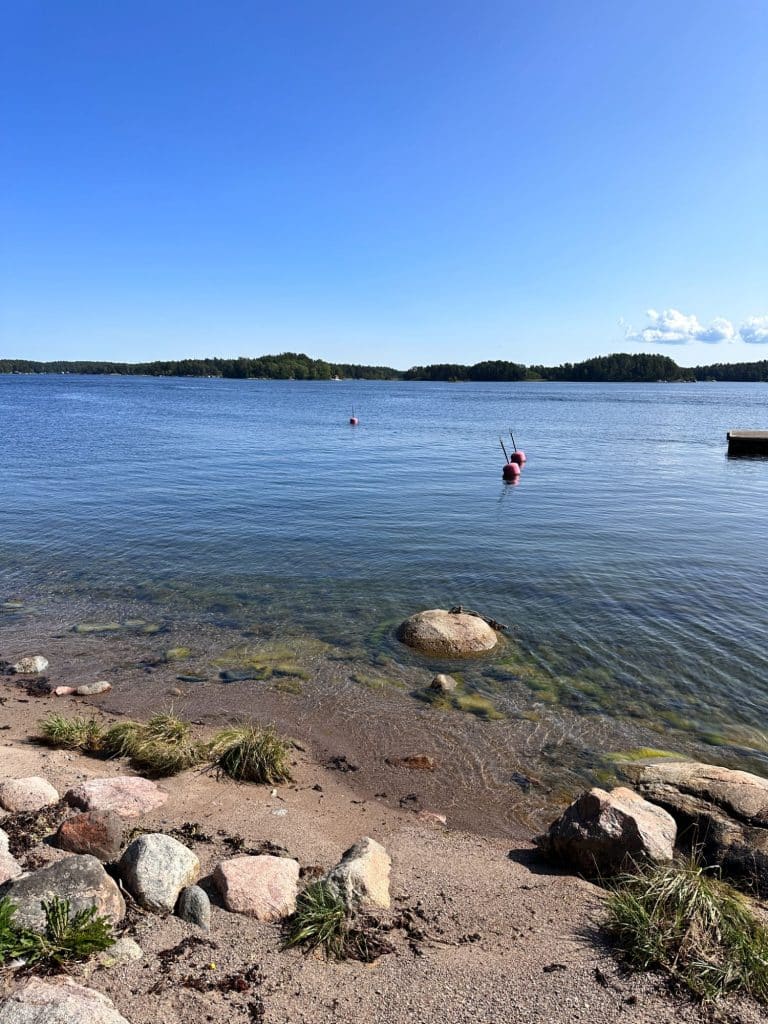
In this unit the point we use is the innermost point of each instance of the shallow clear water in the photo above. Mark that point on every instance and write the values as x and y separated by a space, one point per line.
630 560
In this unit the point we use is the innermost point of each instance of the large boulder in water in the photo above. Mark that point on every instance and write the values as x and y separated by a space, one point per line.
443 634
722 814
604 833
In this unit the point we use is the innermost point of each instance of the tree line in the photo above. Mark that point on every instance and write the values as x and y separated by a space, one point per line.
618 367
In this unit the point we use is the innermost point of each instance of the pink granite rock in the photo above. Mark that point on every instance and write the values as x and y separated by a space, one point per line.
263 887
28 795
58 1001
130 796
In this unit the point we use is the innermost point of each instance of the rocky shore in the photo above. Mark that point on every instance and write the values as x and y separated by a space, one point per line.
199 877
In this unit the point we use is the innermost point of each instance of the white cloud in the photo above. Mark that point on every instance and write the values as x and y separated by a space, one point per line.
671 327
755 330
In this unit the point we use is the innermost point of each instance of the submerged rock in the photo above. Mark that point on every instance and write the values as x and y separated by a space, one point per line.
720 812
362 874
443 634
27 795
58 1001
604 833
155 868
130 796
263 887
32 665
443 683
81 880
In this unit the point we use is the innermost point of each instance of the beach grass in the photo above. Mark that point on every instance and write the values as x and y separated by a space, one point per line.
320 921
680 919
162 746
248 753
77 733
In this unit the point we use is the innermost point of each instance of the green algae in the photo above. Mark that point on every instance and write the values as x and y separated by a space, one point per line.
177 653
642 754
271 659
376 681
97 627
476 704
290 685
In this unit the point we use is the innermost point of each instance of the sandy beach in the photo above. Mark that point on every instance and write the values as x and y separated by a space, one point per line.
480 929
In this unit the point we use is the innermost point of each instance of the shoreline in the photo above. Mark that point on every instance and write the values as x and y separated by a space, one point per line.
509 776
481 930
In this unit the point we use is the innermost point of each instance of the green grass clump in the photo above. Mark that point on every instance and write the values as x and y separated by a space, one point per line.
162 746
66 938
250 754
119 739
71 733
320 920
699 930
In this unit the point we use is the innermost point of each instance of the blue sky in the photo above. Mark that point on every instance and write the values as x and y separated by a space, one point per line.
405 182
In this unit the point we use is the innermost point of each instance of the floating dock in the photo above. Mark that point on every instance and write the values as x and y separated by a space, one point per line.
748 442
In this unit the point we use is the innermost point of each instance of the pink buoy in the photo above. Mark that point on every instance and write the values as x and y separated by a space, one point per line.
511 471
353 421
518 457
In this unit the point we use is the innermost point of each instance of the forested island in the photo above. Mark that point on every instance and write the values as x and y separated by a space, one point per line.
619 368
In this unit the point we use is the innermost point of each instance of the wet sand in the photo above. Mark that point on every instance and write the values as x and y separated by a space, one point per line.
506 776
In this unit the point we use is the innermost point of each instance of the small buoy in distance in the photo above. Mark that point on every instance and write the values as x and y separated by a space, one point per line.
518 458
511 471
353 421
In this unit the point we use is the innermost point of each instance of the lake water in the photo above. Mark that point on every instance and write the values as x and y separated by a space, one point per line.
630 562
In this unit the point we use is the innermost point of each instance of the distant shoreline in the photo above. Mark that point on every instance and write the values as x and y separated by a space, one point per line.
618 368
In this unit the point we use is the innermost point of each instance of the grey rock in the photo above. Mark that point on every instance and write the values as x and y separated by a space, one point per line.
58 1001
34 664
121 952
155 868
3 841
9 867
194 907
92 689
81 880
604 833
721 813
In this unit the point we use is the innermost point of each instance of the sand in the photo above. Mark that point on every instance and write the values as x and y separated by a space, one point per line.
481 930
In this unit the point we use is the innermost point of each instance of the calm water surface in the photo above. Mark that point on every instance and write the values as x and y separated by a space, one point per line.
631 560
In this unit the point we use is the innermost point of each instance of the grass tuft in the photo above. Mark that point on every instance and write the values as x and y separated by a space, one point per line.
680 919
320 920
250 754
162 746
71 733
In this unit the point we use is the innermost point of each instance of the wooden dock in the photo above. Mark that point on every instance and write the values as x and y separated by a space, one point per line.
748 442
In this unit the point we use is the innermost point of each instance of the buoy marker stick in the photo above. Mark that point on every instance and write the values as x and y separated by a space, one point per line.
501 442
